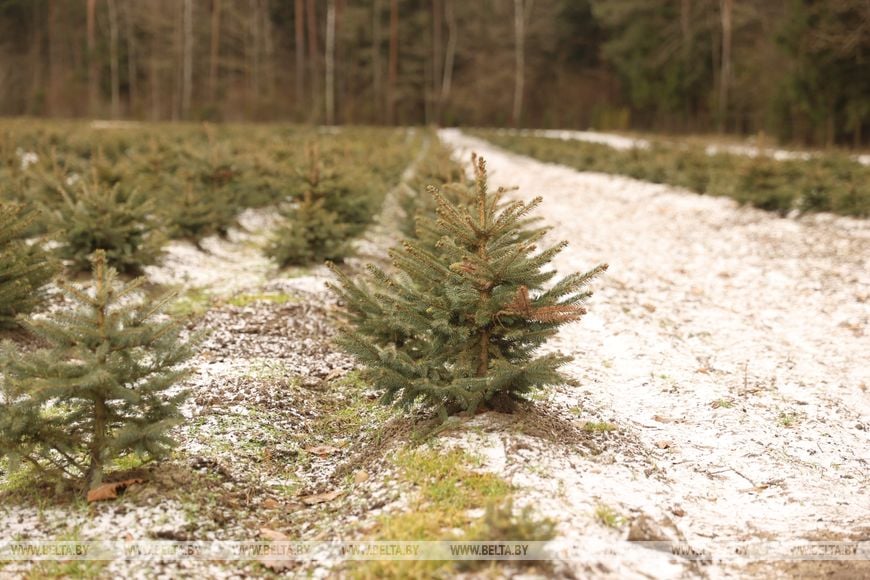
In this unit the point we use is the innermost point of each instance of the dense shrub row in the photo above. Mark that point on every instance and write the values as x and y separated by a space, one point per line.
828 182
67 190
127 190
335 197
103 385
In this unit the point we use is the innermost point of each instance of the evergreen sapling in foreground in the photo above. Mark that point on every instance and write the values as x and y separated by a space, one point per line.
104 388
458 326
24 268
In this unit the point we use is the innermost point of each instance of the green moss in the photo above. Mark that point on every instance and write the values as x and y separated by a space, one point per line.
249 434
358 414
266 369
128 462
788 419
242 300
598 427
606 515
447 489
502 523
193 303
66 568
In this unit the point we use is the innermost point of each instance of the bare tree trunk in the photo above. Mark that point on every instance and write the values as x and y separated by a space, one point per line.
437 25
54 67
725 72
685 22
187 76
377 82
713 25
299 73
214 50
393 69
177 60
132 80
268 50
426 95
113 59
154 80
36 61
330 63
93 69
312 57
520 64
449 55
345 103
94 475
254 50
686 34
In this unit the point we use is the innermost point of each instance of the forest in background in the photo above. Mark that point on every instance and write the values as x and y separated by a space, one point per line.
797 70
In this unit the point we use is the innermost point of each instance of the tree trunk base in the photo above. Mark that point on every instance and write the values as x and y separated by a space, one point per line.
501 403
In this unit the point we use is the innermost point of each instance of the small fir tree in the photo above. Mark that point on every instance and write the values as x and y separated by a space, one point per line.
105 388
197 214
98 217
458 327
218 182
311 232
422 227
24 268
437 167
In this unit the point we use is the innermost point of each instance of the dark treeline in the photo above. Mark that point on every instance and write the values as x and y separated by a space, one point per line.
795 69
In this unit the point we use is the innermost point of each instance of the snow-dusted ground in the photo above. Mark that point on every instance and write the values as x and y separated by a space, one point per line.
727 346
623 142
730 344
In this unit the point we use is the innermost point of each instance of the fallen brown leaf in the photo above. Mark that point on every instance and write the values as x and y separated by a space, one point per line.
320 497
109 491
322 450
273 535
274 562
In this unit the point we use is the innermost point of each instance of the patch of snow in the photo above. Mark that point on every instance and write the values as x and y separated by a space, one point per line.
730 342
219 266
622 142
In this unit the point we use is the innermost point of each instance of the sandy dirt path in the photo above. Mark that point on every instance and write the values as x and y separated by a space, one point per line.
730 349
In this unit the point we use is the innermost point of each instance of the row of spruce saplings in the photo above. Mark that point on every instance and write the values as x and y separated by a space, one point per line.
826 182
453 325
106 384
129 193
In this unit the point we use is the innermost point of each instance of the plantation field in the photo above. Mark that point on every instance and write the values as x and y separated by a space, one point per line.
718 390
